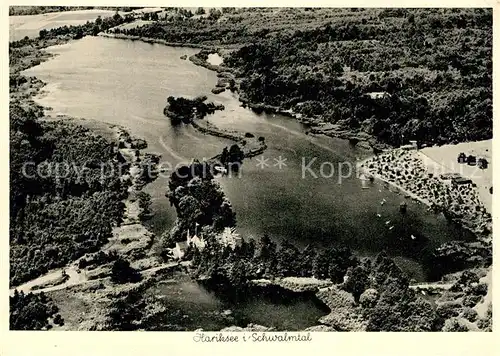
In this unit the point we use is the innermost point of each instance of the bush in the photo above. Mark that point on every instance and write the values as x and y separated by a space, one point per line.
469 314
369 298
58 320
471 300
454 325
447 310
480 289
122 272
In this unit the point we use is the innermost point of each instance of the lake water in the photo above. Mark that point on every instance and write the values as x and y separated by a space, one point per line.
127 83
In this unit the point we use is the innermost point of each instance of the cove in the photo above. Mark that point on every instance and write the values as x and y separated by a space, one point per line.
127 83
190 305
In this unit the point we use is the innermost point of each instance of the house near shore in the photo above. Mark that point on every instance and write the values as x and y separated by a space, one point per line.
460 181
408 147
449 176
182 247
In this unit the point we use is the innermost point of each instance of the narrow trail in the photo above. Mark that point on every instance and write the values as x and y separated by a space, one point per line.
76 278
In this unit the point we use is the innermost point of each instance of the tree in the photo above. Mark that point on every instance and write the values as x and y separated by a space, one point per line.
122 272
200 11
288 259
357 281
320 265
214 14
30 311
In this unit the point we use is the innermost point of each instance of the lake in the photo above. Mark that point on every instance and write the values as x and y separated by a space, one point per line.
190 306
127 83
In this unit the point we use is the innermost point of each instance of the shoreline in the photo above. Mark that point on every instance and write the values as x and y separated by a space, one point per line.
153 40
462 221
315 124
215 132
128 147
363 170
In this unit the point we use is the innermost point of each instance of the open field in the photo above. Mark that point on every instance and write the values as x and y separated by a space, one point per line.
30 25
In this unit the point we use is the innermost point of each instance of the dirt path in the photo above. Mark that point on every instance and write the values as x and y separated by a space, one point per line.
53 281
50 279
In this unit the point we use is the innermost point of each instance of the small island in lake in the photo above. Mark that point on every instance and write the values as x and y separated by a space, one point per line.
184 110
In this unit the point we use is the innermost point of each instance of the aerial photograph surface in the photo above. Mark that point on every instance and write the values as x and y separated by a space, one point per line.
259 169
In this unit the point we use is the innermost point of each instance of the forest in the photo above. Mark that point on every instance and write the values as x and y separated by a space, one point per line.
65 187
434 66
64 197
381 291
33 312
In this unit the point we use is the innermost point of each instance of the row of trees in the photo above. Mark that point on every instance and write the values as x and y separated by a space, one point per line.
380 289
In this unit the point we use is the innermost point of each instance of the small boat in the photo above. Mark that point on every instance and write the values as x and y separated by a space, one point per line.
388 222
382 202
413 237
220 169
379 216
392 227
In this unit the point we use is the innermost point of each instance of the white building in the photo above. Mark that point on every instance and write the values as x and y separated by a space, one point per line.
181 247
229 237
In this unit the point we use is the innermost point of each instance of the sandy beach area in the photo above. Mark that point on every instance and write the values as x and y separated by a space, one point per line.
424 175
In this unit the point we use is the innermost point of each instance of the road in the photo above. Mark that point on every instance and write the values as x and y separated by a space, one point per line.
76 278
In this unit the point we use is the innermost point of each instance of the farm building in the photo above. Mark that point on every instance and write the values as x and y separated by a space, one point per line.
471 160
462 158
460 181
